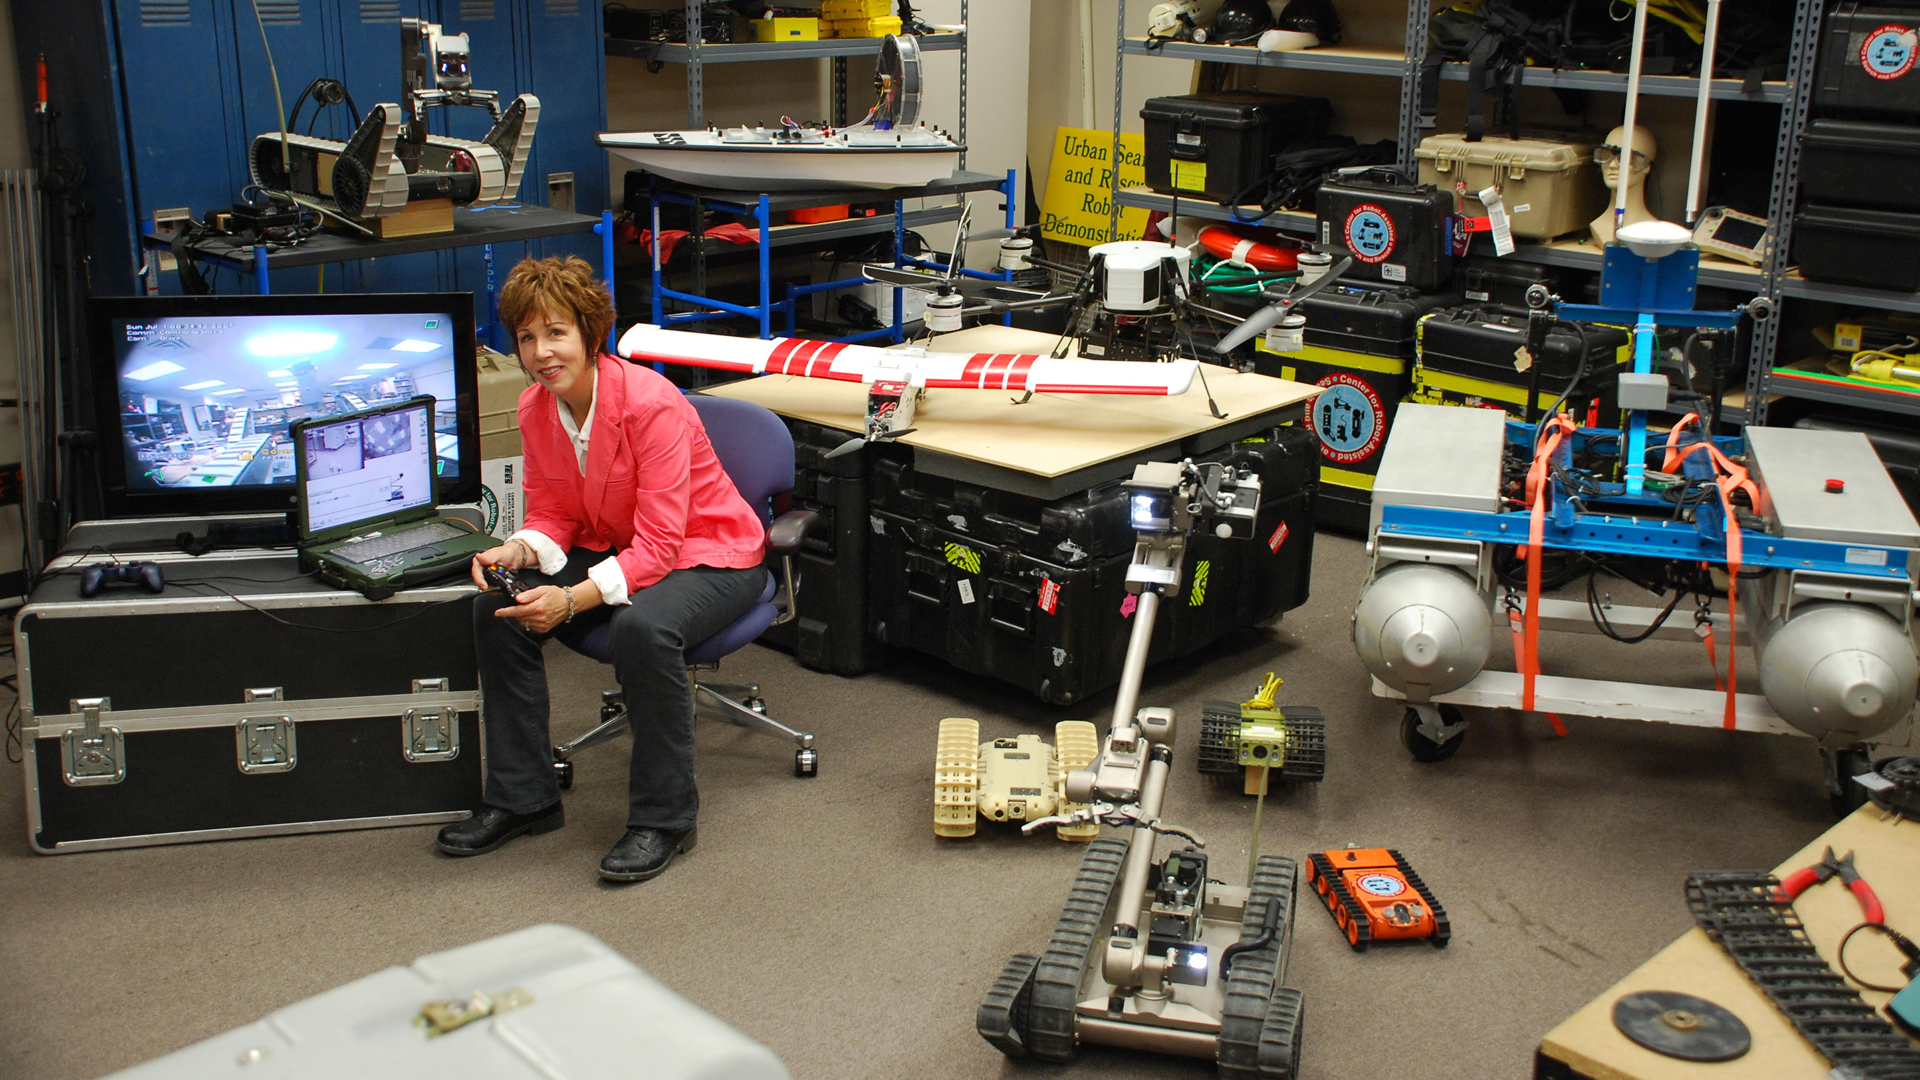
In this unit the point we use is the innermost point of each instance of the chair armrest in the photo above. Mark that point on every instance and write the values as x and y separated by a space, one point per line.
789 529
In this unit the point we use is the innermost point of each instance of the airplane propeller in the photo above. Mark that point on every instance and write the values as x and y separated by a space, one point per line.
1279 303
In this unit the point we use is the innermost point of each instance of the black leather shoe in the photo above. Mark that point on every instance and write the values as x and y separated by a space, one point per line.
492 827
644 853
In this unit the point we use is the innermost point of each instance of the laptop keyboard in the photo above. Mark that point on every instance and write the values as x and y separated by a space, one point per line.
405 540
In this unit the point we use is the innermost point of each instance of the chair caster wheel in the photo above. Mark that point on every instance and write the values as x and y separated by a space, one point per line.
757 704
563 771
806 762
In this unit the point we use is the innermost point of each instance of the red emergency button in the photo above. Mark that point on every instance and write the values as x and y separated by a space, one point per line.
1836 486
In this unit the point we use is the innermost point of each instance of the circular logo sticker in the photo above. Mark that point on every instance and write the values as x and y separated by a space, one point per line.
1369 233
1888 53
490 506
1349 419
1382 885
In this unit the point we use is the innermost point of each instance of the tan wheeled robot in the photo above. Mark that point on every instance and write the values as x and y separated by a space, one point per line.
1018 779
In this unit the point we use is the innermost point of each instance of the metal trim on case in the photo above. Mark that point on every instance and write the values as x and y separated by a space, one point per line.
265 744
91 755
63 609
430 733
199 716
244 832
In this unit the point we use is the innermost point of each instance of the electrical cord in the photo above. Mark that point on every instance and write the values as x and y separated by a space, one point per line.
1900 941
1600 619
461 599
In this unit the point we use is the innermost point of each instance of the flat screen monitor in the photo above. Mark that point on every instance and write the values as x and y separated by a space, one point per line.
195 393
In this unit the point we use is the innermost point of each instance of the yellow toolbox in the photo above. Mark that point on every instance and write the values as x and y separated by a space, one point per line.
781 28
860 28
856 9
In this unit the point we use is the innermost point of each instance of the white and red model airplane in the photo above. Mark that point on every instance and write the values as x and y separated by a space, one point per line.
896 378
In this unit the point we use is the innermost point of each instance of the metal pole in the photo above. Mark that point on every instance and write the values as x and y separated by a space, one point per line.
1633 106
696 75
260 280
1113 161
766 267
1698 167
605 229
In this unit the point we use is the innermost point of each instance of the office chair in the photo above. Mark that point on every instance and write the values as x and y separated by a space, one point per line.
756 450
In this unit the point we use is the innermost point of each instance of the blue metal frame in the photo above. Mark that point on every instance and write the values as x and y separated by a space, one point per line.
1621 535
761 212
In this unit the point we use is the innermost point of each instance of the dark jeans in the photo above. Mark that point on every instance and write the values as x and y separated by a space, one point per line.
648 640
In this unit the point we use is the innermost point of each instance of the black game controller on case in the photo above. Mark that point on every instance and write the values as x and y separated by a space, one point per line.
145 574
504 579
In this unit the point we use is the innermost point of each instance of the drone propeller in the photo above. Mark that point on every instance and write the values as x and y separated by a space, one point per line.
857 442
1279 303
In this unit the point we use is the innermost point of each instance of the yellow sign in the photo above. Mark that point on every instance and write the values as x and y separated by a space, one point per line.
1080 185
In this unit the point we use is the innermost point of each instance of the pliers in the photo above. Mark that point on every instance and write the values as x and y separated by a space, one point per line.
1801 880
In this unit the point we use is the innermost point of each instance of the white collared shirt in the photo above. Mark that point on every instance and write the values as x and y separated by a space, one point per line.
607 573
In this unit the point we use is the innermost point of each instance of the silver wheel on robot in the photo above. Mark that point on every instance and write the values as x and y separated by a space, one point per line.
1058 976
1219 756
1306 745
1254 981
1841 766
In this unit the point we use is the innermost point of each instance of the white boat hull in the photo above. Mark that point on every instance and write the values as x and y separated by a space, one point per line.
778 168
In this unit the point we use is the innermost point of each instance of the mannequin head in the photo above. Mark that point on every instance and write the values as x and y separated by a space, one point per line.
1644 148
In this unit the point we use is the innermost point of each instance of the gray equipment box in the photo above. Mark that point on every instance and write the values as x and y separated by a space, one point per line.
559 1004
1793 466
245 699
1441 455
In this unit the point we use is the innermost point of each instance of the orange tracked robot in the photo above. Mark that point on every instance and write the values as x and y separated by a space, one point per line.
1374 895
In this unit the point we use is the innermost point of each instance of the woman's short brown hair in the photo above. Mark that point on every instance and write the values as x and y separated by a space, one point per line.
557 286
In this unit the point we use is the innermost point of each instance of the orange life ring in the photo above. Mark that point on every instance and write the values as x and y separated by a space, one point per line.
1225 243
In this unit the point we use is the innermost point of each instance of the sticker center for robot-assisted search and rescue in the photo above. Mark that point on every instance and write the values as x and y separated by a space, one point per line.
1369 233
1347 418
1382 885
1888 53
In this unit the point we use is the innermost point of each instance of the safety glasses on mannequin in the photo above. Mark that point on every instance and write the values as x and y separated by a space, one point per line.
1610 155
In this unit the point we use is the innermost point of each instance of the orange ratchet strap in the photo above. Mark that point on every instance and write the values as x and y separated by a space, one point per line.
1733 478
1555 428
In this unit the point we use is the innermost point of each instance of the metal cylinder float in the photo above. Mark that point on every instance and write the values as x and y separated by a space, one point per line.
1845 671
1422 629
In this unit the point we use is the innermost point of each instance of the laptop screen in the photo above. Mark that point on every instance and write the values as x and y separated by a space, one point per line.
369 466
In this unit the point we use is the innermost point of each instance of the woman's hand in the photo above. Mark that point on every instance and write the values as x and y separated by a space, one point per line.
541 609
512 556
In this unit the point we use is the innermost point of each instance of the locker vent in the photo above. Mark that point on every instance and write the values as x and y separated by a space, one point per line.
476 9
279 11
562 9
165 13
379 10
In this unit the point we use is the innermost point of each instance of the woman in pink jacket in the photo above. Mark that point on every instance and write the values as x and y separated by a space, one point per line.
630 520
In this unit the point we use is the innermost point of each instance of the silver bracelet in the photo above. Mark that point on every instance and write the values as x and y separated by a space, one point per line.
568 589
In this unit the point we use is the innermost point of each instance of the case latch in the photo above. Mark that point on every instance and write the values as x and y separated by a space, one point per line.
91 754
433 733
265 744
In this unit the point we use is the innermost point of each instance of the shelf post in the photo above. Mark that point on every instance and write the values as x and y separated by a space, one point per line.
766 266
605 229
696 77
1418 12
1113 158
260 270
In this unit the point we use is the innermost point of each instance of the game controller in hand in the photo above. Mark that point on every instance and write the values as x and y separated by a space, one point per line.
504 579
145 574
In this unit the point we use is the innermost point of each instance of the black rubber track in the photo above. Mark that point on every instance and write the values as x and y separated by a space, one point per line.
1251 988
1057 977
1220 741
1002 1018
1280 1035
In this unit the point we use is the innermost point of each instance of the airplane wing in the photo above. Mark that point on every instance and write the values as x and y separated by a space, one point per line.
934 370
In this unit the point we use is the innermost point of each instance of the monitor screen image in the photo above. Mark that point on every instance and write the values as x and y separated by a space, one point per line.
368 468
200 390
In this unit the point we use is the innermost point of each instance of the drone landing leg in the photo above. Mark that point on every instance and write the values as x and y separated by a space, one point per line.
1211 406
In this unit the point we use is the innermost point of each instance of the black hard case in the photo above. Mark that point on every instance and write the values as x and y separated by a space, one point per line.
1861 164
977 603
1415 251
1234 133
1483 280
1866 69
829 630
1479 342
1374 326
1874 249
177 669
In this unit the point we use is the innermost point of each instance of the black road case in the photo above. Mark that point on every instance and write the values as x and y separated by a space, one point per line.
1050 613
1861 164
243 700
1477 352
1219 145
1398 231
1868 63
1874 249
829 628
1359 348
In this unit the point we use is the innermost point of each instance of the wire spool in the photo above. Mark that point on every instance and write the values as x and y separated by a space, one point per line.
897 82
1681 1026
1902 791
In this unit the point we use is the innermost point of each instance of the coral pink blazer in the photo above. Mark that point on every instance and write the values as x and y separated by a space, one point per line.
653 490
